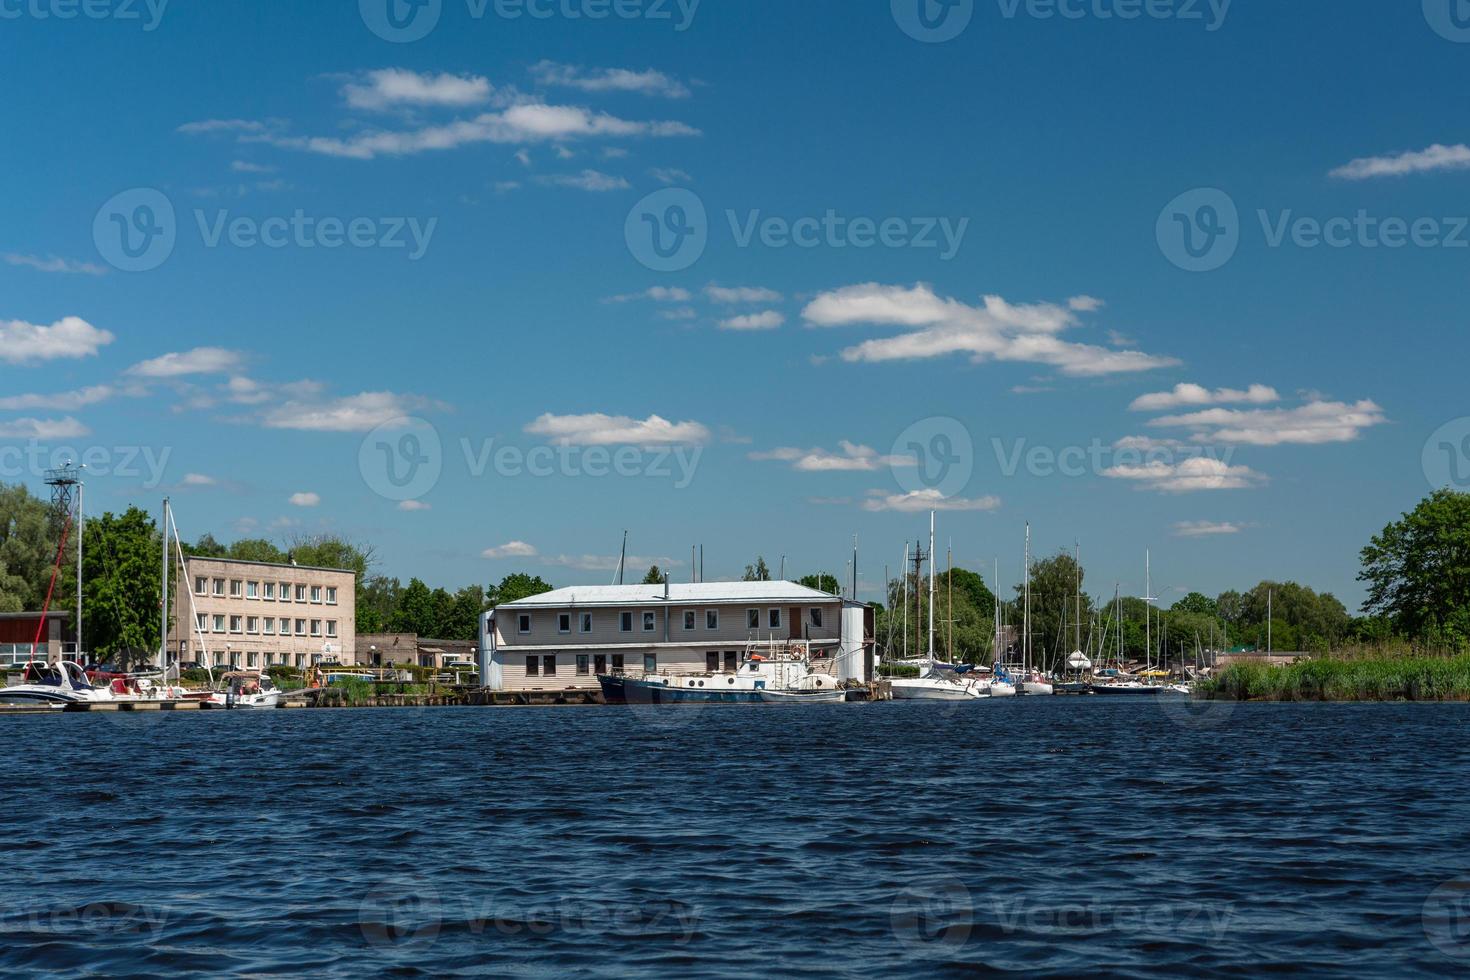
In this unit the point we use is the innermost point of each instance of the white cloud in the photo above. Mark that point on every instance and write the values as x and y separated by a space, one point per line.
1314 423
680 313
414 506
67 428
1436 158
206 126
245 167
1085 304
64 401
670 175
69 337
647 82
659 294
304 499
1192 394
389 88
1195 473
741 294
1205 529
850 457
917 501
937 327
768 320
610 430
587 180
200 360
606 563
52 263
353 413
511 549
198 480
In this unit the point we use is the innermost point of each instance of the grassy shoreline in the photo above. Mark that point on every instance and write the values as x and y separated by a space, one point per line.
1403 678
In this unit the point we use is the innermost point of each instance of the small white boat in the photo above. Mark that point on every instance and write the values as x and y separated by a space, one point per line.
803 697
1001 689
936 687
246 689
57 684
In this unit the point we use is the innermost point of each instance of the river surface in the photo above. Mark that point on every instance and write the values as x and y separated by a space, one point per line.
1056 835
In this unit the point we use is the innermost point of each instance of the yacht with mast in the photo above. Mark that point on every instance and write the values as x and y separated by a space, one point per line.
932 684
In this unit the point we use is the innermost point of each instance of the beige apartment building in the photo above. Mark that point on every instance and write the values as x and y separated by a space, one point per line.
251 615
562 640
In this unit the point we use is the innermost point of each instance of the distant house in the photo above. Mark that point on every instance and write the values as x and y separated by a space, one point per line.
410 649
561 640
18 631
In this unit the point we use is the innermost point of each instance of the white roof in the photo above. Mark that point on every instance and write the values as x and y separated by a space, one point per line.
697 593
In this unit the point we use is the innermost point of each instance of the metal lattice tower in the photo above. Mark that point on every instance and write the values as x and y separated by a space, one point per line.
63 483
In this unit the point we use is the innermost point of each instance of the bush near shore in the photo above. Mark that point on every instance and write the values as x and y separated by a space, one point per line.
1407 678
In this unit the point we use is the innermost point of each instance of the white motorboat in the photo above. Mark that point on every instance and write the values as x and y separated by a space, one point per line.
936 687
65 683
803 697
999 688
246 689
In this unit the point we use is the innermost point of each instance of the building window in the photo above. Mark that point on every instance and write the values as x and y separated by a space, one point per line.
201 622
625 622
252 590
300 593
201 585
234 624
548 665
285 591
650 621
817 618
523 622
711 619
533 666
689 619
300 627
252 624
732 660
331 595
563 622
712 663
270 592
599 664
584 665
219 586
252 659
618 667
753 619
235 586
332 628
219 624
775 619
316 627
269 627
650 663
586 622
316 594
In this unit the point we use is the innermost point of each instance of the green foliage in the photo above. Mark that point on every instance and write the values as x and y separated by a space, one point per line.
1055 582
1197 603
655 576
515 587
1418 570
759 572
968 639
257 549
1414 678
206 547
822 582
27 550
121 598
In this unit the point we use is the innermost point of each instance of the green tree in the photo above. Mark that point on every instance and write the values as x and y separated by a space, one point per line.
464 617
1197 602
759 572
256 549
1055 583
655 576
28 544
1418 570
207 547
822 582
514 587
121 587
377 603
415 612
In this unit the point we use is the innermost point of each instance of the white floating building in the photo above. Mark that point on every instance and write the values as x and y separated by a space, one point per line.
560 641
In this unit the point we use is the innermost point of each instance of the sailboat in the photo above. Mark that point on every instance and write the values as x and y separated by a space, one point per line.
1032 680
931 684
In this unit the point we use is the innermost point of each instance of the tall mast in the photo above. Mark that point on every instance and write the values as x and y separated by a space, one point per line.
1148 609
995 649
905 600
949 641
1077 626
163 598
81 520
1026 615
931 587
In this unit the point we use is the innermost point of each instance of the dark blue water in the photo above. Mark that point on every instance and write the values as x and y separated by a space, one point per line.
891 840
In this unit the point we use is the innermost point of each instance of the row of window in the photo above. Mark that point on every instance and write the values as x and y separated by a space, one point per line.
650 620
233 659
263 625
266 591
585 664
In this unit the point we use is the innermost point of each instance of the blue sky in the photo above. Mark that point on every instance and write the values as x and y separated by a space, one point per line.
1003 279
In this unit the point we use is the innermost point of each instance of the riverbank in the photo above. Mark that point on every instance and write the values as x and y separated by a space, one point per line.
1405 678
